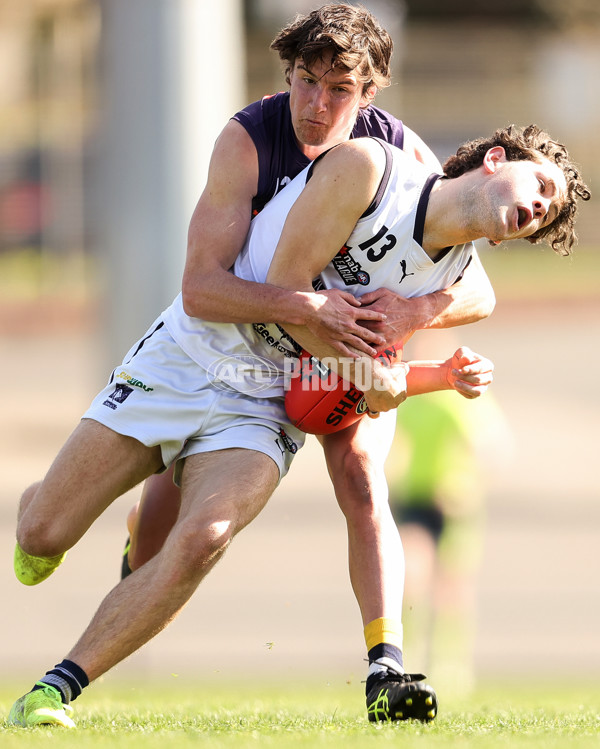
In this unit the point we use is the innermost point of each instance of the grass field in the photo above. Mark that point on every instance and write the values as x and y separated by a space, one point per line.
567 715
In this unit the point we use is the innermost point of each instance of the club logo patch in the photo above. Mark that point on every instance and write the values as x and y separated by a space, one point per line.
118 395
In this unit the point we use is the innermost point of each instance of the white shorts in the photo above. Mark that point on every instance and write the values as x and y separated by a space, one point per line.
160 396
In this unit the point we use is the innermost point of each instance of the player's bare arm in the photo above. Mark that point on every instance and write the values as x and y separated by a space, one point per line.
467 372
217 232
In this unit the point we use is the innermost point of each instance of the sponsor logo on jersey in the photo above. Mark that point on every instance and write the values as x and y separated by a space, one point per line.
349 269
404 272
266 333
133 382
118 395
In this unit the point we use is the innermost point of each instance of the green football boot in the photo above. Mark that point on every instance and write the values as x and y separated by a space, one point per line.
32 570
43 707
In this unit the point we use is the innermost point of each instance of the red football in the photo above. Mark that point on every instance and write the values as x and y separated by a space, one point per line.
318 401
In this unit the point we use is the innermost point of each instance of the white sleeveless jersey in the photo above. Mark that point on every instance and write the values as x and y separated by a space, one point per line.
383 251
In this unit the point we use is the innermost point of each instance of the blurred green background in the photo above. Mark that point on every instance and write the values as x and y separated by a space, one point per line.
108 115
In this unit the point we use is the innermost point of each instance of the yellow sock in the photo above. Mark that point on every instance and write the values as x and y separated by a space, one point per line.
383 631
384 644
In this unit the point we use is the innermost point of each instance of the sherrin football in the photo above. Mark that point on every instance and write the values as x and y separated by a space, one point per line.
318 401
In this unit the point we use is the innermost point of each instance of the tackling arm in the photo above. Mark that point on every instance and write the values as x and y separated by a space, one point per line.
216 235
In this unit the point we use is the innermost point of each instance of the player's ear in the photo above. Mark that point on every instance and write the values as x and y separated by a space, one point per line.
492 158
368 96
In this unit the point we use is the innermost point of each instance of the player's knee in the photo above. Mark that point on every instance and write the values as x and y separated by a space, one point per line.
358 474
201 546
39 534
40 538
215 538
360 486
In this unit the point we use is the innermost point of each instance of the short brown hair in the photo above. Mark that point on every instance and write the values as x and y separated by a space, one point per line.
354 36
530 144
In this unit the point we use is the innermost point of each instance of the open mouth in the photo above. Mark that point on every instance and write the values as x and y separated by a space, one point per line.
523 217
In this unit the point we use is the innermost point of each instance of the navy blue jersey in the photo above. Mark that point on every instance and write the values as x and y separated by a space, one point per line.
269 124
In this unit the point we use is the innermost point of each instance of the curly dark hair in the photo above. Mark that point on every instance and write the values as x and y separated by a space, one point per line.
354 36
530 143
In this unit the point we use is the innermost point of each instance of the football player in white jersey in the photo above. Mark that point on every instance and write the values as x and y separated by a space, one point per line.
515 184
336 58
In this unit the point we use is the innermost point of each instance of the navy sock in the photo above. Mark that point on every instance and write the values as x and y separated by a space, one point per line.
69 678
392 655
